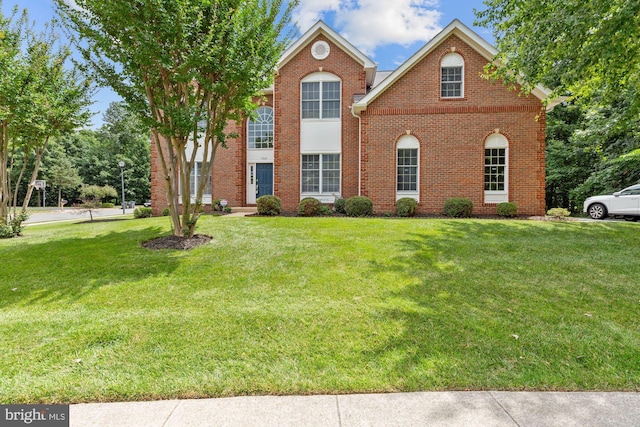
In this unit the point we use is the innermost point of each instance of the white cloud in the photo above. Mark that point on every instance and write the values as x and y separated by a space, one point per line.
369 24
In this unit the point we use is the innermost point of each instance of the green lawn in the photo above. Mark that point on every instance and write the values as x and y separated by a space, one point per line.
320 305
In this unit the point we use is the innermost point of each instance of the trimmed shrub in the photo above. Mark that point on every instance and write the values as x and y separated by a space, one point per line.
358 206
507 209
338 205
166 212
142 212
406 207
324 210
558 212
108 205
227 209
269 205
458 207
216 206
309 207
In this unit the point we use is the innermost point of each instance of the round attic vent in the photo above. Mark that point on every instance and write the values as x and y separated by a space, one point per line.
320 50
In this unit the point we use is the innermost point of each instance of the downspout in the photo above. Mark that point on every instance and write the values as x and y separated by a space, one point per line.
359 150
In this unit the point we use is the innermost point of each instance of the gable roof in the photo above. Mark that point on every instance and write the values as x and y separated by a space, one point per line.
454 28
321 28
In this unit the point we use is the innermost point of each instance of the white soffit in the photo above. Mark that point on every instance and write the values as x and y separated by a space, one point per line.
321 28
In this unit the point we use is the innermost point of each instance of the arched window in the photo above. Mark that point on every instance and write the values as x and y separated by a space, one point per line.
320 96
452 76
260 130
407 167
496 169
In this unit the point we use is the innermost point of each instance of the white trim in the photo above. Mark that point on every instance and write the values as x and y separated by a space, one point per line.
453 60
457 28
320 50
321 28
497 141
408 142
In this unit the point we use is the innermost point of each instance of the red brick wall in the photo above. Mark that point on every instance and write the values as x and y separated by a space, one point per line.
451 135
287 119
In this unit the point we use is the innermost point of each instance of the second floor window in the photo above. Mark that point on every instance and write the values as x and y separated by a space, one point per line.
260 130
321 100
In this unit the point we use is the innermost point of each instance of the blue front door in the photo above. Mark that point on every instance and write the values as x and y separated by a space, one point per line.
264 179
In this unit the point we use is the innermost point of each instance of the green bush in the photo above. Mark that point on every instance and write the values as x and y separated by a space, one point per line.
269 205
507 209
166 212
338 205
406 207
324 210
142 212
14 228
216 206
558 212
358 206
309 206
108 205
227 209
458 207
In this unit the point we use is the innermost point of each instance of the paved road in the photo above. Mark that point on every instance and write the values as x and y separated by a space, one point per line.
72 214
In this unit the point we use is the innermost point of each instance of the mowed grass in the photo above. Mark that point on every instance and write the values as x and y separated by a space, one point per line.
320 305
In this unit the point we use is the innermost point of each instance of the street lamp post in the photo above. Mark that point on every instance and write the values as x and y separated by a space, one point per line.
121 164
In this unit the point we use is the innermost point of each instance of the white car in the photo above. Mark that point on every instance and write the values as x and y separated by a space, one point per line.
622 203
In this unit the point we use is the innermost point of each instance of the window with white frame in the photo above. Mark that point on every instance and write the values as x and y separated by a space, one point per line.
452 76
321 100
407 167
260 129
320 173
196 176
496 168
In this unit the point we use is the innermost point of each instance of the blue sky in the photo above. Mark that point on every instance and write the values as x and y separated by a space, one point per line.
388 31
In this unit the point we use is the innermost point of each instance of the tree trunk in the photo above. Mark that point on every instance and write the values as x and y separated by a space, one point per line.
4 176
60 198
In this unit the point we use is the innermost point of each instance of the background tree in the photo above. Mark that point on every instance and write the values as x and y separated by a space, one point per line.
185 68
62 176
589 49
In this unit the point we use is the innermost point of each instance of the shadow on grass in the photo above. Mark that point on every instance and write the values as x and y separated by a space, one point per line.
64 270
494 304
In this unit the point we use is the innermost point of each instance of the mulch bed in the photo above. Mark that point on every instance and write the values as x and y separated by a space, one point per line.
175 242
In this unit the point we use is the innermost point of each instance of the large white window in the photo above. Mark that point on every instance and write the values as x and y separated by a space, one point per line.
452 76
196 176
407 167
496 169
320 173
321 100
260 130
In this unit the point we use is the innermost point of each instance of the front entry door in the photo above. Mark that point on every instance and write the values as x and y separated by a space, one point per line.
264 179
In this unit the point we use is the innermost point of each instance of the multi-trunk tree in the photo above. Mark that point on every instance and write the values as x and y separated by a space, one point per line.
42 97
187 68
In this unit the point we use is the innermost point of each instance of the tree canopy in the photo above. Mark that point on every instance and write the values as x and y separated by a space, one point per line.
586 48
186 68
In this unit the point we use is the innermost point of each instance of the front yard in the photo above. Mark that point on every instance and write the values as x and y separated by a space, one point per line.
318 305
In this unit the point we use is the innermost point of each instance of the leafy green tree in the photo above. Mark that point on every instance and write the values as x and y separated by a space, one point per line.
63 175
93 196
41 99
186 68
587 48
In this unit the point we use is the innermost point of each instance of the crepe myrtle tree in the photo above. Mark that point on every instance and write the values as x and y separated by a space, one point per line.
186 68
42 97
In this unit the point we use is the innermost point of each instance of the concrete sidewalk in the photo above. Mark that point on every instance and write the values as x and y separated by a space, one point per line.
476 408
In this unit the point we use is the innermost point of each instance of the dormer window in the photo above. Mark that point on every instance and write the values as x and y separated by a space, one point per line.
452 76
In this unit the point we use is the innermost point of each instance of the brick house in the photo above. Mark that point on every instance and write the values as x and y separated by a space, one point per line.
333 126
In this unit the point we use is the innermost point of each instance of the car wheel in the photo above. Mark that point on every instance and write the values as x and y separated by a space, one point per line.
630 218
597 211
